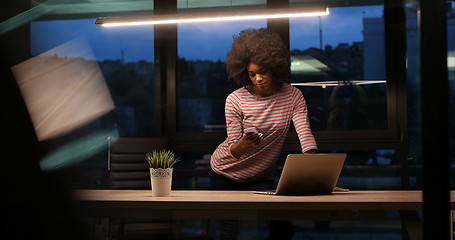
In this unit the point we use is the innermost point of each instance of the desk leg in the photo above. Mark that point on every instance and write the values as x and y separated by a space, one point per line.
411 225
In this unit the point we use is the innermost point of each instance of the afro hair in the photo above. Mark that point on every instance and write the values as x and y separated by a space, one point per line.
259 46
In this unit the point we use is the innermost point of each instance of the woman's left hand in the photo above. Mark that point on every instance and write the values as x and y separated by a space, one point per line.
338 189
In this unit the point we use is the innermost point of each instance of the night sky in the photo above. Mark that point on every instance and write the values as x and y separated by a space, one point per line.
204 41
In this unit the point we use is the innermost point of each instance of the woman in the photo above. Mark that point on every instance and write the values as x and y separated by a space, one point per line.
260 61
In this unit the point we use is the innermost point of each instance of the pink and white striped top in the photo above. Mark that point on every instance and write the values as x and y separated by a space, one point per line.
271 116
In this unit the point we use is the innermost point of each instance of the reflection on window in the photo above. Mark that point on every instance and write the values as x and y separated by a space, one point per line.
201 73
338 63
125 57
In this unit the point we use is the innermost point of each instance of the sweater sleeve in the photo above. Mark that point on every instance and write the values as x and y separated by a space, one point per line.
233 119
301 122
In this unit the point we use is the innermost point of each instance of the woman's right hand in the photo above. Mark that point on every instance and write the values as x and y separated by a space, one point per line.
248 140
251 139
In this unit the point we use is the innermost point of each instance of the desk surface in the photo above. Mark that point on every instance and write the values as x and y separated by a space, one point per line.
246 200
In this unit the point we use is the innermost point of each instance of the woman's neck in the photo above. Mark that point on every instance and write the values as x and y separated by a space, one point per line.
257 93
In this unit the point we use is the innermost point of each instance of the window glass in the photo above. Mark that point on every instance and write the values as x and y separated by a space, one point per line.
338 63
201 73
125 57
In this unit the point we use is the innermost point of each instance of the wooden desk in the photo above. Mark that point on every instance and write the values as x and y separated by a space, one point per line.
246 200
247 205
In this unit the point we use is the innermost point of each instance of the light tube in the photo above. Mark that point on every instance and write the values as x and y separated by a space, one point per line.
338 83
216 16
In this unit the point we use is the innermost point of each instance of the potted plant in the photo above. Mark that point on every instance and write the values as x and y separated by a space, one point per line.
161 163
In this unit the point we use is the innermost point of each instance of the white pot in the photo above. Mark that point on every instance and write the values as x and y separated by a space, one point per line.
161 179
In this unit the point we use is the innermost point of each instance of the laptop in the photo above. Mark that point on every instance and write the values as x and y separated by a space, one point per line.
309 174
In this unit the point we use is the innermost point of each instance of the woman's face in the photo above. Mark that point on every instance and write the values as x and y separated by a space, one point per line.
261 78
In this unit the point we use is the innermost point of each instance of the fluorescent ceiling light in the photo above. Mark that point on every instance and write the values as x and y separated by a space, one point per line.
305 64
213 16
338 83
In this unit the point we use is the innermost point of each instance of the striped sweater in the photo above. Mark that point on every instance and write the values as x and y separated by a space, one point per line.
272 117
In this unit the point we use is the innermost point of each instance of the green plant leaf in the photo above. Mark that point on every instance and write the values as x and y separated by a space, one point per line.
161 159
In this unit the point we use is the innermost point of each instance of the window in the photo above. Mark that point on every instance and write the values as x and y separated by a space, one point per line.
201 74
338 63
125 57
